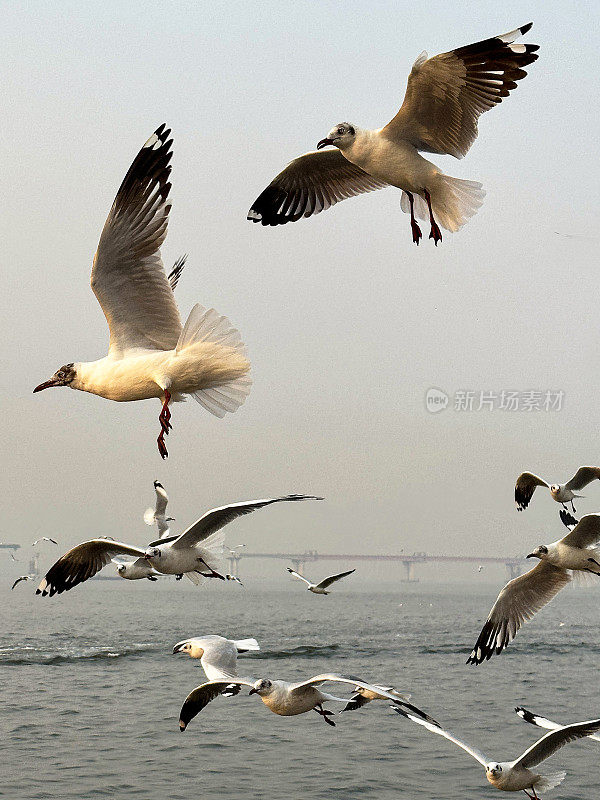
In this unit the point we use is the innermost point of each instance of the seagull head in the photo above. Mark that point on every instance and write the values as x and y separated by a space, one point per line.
62 377
152 552
261 687
158 484
493 770
122 569
341 136
554 488
540 552
189 646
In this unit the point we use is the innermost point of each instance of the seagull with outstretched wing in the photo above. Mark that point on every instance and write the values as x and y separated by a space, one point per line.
562 493
319 588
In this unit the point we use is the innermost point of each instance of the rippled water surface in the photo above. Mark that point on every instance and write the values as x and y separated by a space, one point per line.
91 692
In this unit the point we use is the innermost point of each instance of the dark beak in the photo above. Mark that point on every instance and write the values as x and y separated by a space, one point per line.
324 143
46 385
531 555
252 691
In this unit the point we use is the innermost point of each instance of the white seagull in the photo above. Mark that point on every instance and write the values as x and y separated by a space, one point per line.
518 775
444 98
44 539
158 513
218 655
195 553
561 492
150 354
319 588
136 570
280 697
522 597
542 722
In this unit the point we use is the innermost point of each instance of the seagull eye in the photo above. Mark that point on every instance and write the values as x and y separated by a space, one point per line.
341 131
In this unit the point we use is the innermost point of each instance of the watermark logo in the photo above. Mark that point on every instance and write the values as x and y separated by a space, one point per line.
436 400
529 400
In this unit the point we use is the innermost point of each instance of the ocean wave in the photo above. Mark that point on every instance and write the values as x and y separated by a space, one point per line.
29 654
301 651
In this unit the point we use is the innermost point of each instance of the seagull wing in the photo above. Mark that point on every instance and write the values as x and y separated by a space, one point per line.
81 563
542 722
318 680
582 477
217 518
128 277
477 754
586 533
175 273
202 695
333 578
553 741
310 184
19 579
525 487
356 701
568 520
300 577
162 498
520 599
447 94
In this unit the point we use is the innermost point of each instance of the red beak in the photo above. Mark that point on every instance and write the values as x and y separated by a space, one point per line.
45 385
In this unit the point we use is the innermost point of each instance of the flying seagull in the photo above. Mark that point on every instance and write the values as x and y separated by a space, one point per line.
280 697
196 553
444 98
362 697
522 597
218 655
158 513
44 539
233 578
22 578
319 588
561 492
518 775
150 354
542 722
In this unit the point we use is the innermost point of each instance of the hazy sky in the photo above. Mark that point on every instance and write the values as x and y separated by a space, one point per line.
347 322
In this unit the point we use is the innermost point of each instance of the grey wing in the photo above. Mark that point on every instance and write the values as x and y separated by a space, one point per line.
472 751
333 578
310 184
175 273
520 599
586 533
128 277
202 695
447 94
81 563
554 740
525 487
582 477
217 518
542 722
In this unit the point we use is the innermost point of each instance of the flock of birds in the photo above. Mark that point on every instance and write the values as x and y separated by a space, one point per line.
152 354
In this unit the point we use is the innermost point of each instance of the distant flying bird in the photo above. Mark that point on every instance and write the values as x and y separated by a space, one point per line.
519 775
280 697
150 355
196 553
319 588
542 722
444 98
217 655
44 539
158 513
22 578
561 492
229 577
522 597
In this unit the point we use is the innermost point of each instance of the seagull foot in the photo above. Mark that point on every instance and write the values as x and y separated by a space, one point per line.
179 577
212 573
435 233
325 713
416 232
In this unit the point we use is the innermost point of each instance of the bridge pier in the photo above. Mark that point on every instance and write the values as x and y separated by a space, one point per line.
514 570
409 569
234 564
298 565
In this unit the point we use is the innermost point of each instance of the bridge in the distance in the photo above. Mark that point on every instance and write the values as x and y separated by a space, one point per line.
514 565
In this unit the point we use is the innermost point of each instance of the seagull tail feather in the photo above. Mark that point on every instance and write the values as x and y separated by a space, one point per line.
454 201
245 645
550 781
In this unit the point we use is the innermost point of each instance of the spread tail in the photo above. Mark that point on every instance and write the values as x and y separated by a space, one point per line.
550 781
245 645
453 200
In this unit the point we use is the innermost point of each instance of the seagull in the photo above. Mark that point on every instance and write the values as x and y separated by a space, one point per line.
561 492
136 570
542 722
196 553
517 775
150 354
229 577
444 98
22 578
522 597
280 697
44 539
157 514
218 655
319 588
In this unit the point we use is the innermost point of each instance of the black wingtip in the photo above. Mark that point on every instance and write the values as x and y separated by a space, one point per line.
525 28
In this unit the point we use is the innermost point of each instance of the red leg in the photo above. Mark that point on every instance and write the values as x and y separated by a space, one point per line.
212 573
435 232
325 713
163 418
416 231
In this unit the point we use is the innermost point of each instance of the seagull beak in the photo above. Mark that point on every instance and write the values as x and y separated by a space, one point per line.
46 385
531 555
252 691
324 143
178 648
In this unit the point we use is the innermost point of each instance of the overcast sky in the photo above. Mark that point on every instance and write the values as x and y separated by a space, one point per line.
347 323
